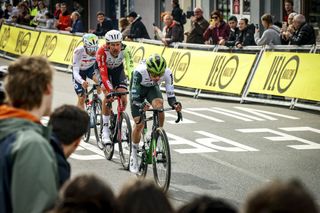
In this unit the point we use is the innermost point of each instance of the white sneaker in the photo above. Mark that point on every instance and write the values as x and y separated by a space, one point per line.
134 168
106 135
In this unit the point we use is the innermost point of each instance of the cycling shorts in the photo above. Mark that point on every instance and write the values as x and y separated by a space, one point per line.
117 77
90 72
147 93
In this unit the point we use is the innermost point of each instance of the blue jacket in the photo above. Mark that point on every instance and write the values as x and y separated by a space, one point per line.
77 27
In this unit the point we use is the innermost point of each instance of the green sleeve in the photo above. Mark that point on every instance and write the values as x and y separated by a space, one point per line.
135 86
34 185
129 62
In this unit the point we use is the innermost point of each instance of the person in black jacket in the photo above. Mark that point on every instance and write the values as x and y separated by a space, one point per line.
138 30
304 33
234 32
104 25
177 13
246 35
69 123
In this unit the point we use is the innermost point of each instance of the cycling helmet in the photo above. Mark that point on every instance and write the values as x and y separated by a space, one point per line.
113 36
90 42
156 65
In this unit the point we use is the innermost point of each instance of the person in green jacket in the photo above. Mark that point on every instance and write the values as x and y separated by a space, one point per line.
28 166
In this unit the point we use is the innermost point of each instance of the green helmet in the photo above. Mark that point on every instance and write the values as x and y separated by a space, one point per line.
156 65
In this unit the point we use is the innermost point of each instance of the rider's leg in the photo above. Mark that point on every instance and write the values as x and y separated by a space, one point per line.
136 136
81 99
106 111
157 103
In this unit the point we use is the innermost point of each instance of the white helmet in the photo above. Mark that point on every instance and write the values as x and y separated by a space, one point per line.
90 42
113 36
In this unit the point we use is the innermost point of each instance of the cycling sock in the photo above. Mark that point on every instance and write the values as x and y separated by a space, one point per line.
134 149
106 119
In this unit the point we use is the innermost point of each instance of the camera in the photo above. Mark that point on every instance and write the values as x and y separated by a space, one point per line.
257 26
189 14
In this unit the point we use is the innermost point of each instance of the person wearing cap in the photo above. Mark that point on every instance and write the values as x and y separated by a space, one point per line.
138 29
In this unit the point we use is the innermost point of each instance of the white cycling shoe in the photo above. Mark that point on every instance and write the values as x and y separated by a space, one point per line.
133 166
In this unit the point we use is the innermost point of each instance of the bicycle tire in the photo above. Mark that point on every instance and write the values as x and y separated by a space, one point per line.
161 159
98 121
125 143
86 136
108 150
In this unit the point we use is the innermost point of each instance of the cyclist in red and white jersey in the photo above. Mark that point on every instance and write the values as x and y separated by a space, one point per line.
84 66
111 58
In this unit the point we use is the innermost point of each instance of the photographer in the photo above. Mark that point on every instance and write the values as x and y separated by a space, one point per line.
198 26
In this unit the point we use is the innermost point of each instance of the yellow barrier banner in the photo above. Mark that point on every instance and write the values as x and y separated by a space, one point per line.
220 72
57 47
141 51
294 75
17 40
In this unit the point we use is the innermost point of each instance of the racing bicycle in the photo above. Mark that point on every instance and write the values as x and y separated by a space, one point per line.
93 106
120 132
155 149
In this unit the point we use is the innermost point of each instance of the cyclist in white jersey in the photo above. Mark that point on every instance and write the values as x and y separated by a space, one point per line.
111 58
84 60
145 86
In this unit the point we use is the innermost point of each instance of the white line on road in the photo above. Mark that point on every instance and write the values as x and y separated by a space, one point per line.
190 111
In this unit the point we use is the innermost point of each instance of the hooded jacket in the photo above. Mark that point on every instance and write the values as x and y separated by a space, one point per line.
138 30
28 167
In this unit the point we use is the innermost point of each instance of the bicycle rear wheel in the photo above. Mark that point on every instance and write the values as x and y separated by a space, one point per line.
161 160
109 149
124 133
97 109
86 136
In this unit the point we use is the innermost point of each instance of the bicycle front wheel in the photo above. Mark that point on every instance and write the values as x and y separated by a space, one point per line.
124 139
161 160
97 109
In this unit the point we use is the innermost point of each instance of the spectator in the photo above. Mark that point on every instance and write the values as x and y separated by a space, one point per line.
234 32
218 30
207 204
124 27
77 7
64 18
271 36
246 36
77 26
33 12
104 25
281 196
304 33
49 21
40 19
173 31
69 123
177 13
287 29
86 193
23 14
57 11
3 72
138 30
198 27
28 175
142 196
8 10
288 7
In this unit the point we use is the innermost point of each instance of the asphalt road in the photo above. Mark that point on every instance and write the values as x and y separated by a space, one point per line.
223 149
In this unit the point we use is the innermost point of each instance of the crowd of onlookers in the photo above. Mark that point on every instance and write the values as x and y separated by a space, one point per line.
233 32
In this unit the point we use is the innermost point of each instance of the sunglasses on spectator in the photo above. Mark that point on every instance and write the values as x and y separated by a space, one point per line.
214 17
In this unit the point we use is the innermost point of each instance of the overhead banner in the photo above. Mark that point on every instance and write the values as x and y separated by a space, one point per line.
219 72
57 47
141 51
17 40
293 75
